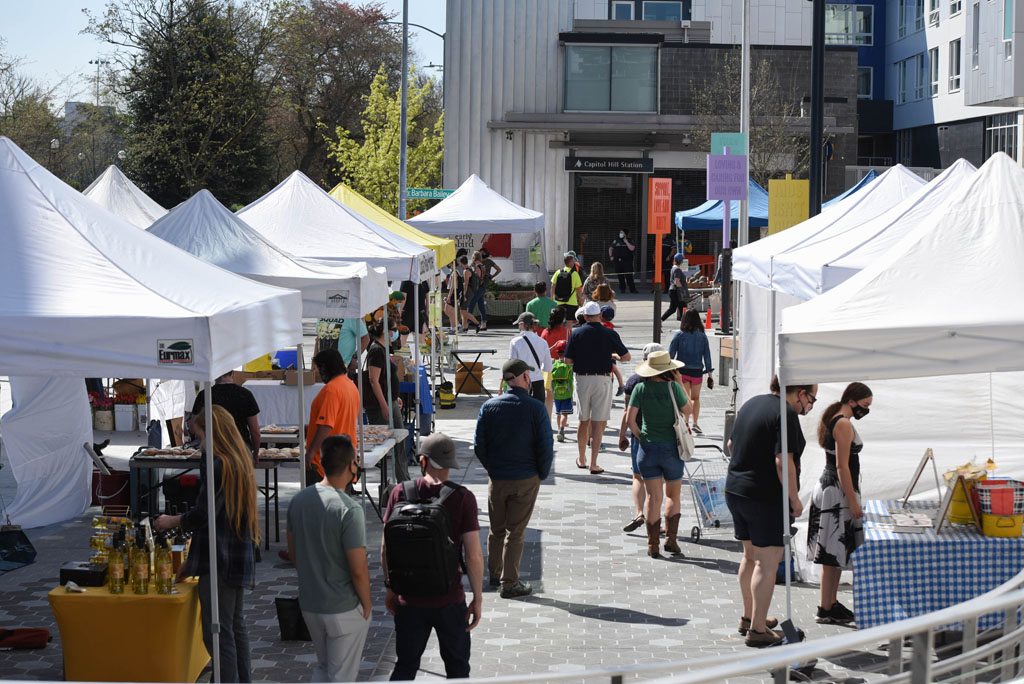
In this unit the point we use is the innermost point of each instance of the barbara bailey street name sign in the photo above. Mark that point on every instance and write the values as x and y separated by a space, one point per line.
609 165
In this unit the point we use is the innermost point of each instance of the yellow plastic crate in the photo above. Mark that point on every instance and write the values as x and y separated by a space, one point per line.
1001 525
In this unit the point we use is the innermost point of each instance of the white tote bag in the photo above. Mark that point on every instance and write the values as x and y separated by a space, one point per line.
684 440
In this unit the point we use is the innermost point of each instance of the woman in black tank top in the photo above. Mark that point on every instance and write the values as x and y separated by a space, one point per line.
835 528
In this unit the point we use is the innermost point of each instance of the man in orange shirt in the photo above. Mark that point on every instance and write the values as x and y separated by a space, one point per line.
335 410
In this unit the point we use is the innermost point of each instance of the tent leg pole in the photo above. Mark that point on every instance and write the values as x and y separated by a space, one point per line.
416 364
300 367
211 516
359 417
391 398
783 428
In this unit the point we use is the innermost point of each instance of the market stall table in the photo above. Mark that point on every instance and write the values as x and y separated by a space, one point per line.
897 575
279 402
408 391
457 355
269 488
286 435
375 456
130 637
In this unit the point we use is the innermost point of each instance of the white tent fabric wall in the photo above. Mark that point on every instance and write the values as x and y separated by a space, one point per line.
167 401
205 228
299 217
43 435
116 193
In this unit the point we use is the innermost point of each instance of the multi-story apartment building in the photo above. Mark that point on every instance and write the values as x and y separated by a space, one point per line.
534 83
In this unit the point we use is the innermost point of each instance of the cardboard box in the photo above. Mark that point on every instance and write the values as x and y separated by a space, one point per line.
472 384
241 377
291 378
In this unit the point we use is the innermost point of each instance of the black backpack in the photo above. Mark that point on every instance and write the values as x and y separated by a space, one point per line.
422 556
563 285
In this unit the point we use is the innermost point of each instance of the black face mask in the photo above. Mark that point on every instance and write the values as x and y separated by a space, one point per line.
859 411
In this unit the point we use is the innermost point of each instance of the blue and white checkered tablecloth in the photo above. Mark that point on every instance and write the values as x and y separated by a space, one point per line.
901 575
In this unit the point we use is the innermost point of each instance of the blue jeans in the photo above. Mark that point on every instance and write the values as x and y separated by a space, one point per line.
479 301
234 638
659 459
412 630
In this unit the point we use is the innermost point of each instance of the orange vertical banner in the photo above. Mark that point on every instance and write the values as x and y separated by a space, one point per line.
659 217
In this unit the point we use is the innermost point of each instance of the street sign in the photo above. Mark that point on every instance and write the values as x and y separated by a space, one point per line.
609 165
427 193
736 142
788 203
727 177
659 206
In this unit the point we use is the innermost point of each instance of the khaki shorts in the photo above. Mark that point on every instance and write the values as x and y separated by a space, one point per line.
594 394
547 380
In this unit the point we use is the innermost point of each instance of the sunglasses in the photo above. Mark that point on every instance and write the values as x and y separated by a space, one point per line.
811 397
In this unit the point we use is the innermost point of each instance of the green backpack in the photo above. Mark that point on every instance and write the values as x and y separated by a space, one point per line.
561 380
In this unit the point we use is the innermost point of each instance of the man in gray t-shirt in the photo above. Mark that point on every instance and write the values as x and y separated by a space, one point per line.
327 540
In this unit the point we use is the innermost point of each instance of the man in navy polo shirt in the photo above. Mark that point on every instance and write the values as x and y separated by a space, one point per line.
590 352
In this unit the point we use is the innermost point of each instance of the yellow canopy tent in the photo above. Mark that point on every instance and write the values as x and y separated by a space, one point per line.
443 247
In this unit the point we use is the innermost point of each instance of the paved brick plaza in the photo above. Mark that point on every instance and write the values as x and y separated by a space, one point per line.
598 602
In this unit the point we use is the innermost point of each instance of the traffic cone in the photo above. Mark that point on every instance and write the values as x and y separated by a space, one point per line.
707 321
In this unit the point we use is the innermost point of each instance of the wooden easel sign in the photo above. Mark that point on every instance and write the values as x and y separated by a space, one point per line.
947 501
928 456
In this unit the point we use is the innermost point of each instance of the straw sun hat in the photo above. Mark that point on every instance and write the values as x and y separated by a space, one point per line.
658 362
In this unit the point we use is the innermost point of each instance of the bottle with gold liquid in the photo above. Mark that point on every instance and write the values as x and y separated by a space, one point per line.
115 568
178 550
164 575
140 565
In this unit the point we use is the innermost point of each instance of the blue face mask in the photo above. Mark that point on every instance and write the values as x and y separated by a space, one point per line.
394 335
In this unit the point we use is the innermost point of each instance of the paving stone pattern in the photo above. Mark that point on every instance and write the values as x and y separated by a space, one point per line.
598 602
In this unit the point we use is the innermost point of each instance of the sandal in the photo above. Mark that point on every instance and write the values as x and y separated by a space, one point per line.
596 472
581 467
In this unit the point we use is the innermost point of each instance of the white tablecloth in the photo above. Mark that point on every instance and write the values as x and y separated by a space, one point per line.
279 403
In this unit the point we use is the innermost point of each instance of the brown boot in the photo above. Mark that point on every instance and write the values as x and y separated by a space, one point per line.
652 538
671 529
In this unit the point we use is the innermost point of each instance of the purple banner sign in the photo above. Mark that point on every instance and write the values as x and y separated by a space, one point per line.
727 177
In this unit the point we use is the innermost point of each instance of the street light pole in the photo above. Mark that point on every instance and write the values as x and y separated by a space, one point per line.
817 103
98 62
403 160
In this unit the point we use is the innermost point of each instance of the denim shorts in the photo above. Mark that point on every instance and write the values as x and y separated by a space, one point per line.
634 447
659 459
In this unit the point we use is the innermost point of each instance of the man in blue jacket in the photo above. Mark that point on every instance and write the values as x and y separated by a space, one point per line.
515 447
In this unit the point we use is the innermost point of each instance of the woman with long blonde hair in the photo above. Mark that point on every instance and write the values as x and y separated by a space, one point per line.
237 533
593 281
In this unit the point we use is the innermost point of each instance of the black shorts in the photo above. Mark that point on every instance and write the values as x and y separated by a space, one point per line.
570 313
537 390
758 522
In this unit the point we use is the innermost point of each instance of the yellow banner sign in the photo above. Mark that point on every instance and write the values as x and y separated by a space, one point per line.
787 203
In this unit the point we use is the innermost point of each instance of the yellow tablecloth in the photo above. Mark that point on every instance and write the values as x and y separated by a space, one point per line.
129 637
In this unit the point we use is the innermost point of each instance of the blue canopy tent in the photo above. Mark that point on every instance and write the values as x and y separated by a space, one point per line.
859 185
709 215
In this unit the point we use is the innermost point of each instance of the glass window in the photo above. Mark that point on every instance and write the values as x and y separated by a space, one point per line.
933 71
849 24
918 15
905 147
975 34
954 65
933 12
611 78
903 18
663 10
588 77
1001 135
921 82
955 6
864 82
1007 19
901 81
634 79
622 11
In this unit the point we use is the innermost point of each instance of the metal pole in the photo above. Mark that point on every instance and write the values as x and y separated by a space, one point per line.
783 428
359 416
416 362
817 103
402 160
300 366
744 229
211 522
724 322
387 376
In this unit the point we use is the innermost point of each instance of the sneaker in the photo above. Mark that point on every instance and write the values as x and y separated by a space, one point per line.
833 616
494 581
762 639
561 434
697 430
516 590
769 621
842 612
634 523
619 392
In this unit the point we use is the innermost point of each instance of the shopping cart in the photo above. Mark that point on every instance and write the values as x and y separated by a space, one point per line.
707 484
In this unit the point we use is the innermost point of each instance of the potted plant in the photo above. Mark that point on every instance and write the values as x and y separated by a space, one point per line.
102 412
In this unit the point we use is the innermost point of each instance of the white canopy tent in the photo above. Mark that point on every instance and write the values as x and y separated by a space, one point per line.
301 218
894 320
84 294
753 263
474 208
116 193
206 229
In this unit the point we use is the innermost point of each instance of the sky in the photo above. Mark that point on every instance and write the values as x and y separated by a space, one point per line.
46 33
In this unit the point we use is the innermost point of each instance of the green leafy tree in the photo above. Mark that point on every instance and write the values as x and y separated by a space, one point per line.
325 57
193 77
26 111
370 165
